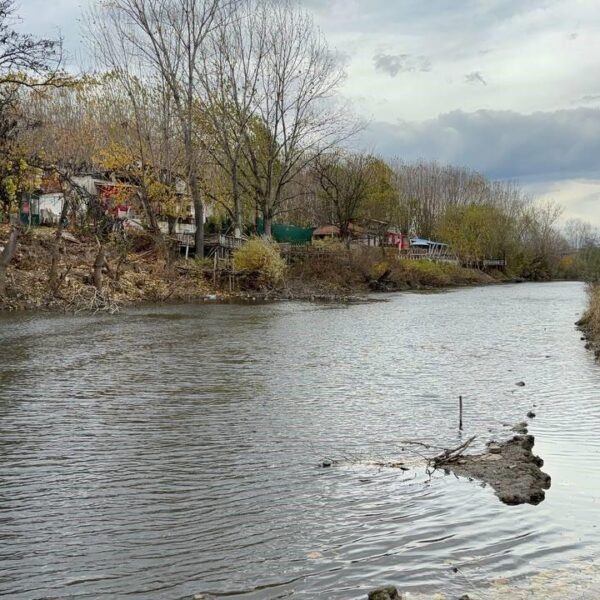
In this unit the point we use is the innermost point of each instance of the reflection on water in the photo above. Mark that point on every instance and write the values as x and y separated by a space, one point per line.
173 451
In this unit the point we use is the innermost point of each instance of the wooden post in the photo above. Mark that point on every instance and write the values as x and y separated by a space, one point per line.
460 410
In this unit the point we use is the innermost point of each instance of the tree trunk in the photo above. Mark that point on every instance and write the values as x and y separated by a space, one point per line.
198 216
53 277
267 213
150 215
172 221
98 266
6 257
267 223
237 203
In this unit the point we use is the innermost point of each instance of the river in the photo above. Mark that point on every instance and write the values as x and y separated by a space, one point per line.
171 451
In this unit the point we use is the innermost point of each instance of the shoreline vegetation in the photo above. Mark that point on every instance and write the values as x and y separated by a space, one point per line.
91 278
176 132
589 324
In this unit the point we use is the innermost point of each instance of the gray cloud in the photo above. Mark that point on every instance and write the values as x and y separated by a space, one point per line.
392 64
590 98
500 144
475 78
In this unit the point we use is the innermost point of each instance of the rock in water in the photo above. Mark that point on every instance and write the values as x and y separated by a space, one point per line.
385 593
520 427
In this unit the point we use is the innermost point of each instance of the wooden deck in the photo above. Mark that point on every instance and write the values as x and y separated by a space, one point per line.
218 245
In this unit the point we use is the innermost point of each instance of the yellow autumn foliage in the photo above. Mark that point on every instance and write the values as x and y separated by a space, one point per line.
260 258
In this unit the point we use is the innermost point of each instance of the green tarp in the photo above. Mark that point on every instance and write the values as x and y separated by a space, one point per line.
287 234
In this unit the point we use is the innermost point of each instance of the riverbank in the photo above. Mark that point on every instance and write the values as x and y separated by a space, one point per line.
144 270
590 322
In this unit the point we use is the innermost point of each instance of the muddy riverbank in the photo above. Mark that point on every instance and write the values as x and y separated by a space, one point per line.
509 467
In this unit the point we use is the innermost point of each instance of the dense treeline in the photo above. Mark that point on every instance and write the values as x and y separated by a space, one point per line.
231 108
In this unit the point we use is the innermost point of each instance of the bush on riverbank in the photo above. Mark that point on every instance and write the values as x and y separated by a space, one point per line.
260 261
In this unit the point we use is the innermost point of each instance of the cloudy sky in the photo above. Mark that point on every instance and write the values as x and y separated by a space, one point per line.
508 87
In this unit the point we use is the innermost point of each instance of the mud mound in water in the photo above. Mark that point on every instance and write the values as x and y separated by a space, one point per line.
510 468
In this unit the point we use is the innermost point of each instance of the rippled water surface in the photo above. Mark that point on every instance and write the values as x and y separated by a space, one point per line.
173 451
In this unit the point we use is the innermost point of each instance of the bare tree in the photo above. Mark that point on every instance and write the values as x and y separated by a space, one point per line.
296 118
168 37
25 59
25 62
139 102
229 73
580 234
344 180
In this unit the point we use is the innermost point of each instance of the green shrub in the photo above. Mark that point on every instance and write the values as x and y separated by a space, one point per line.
260 260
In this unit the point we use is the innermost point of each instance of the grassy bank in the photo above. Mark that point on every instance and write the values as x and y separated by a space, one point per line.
144 269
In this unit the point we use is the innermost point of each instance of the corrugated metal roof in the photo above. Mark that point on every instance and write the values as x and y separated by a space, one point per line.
424 242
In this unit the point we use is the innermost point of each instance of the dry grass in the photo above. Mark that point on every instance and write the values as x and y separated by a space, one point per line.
359 269
261 263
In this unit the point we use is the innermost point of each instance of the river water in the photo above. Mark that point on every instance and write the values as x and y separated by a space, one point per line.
172 451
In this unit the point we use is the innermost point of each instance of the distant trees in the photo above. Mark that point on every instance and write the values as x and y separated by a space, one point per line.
344 181
26 62
238 100
427 189
580 234
476 232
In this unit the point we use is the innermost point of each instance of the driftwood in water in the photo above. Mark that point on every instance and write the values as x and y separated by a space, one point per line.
448 457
